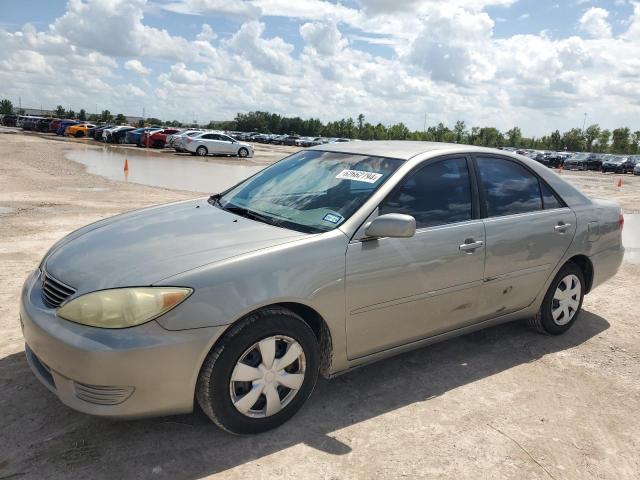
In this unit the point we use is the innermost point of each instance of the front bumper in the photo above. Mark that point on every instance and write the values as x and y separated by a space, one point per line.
126 373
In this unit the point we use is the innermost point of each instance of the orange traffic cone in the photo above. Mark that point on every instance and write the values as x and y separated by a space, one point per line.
126 165
619 183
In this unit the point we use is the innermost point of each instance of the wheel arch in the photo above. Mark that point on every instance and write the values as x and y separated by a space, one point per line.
586 266
310 316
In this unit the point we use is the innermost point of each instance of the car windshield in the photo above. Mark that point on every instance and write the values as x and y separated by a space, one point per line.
311 191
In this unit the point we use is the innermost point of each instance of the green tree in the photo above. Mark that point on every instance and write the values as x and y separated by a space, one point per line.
573 140
635 142
514 137
360 124
556 141
620 142
120 118
603 141
60 111
82 116
154 121
106 116
70 114
591 135
460 131
6 107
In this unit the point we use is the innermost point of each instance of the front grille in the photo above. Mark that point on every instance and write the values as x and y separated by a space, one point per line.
102 395
54 292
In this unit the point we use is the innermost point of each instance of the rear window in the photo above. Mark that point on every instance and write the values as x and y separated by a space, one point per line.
509 188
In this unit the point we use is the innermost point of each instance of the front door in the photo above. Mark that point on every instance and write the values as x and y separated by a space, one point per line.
399 290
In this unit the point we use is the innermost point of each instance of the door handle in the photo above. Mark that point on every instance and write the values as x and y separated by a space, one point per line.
471 246
562 227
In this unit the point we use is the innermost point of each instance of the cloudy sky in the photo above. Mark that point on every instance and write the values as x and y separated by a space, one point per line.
538 64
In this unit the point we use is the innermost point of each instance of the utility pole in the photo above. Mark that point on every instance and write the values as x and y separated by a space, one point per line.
424 127
584 122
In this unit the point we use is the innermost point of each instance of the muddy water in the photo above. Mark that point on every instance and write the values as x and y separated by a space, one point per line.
631 238
179 172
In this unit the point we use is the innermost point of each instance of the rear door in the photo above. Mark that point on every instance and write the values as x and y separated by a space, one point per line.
528 229
399 290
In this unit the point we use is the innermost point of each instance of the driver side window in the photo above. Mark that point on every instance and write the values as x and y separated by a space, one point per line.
437 194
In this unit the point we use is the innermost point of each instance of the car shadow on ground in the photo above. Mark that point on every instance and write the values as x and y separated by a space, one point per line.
49 440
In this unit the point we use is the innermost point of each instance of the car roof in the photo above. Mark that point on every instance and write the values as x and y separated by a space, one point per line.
400 149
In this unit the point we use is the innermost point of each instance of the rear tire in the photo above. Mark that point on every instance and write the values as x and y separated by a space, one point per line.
562 303
202 151
260 401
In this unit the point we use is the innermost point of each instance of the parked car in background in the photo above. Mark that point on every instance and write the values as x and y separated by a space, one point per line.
636 169
78 131
9 120
178 140
107 133
119 136
320 263
618 164
157 138
133 136
576 162
62 127
211 143
98 132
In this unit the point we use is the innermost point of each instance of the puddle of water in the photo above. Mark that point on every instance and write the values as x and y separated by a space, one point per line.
5 210
631 238
178 172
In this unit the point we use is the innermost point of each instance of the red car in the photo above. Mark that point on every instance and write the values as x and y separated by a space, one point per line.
156 139
54 125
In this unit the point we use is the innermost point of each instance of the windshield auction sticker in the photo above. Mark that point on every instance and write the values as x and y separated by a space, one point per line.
359 176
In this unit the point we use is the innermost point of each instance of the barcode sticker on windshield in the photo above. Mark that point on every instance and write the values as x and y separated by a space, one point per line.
359 176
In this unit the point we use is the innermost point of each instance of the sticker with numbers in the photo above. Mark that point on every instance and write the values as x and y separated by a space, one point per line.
359 176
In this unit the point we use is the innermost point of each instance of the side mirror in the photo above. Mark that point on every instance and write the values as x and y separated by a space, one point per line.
394 225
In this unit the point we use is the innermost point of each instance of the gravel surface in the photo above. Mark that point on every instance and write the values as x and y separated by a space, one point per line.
500 403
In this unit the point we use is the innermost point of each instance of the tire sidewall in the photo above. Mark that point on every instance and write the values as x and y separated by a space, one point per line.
200 149
243 152
219 395
549 325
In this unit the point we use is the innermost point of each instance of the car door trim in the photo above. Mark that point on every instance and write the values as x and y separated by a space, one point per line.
417 297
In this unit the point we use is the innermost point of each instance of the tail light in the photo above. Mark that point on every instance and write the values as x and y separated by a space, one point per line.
621 221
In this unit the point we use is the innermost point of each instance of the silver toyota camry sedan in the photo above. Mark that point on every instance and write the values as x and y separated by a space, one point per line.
334 257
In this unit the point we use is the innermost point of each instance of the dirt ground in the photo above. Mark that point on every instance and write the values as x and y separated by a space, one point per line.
500 403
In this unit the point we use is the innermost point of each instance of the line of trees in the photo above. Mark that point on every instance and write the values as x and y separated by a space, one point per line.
592 139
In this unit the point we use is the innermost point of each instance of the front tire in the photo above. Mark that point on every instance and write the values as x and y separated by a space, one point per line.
260 373
562 303
243 153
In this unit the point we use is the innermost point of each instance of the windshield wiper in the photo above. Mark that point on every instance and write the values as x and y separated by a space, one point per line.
245 212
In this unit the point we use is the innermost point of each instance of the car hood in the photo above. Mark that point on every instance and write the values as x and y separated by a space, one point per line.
146 246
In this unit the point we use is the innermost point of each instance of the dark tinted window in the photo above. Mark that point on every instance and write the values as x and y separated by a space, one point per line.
437 194
549 200
509 188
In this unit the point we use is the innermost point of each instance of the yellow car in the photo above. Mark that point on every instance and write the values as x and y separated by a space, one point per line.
79 130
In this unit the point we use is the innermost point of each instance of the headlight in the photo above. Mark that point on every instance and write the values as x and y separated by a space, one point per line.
123 307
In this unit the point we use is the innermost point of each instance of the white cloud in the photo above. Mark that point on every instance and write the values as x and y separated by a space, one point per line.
444 59
136 66
595 24
271 55
206 34
323 37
